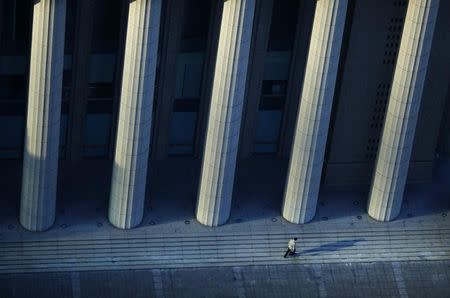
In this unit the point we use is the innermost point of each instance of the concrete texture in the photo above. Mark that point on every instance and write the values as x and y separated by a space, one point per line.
383 279
342 251
305 169
135 115
40 163
225 115
394 154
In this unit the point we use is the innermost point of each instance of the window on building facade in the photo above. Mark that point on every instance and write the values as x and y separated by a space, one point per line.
275 79
189 76
272 102
187 98
15 22
66 92
283 25
99 105
102 78
15 34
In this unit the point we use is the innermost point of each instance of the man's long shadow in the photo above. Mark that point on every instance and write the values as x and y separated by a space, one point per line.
329 247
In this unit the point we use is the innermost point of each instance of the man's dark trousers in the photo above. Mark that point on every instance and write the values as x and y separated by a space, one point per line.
289 252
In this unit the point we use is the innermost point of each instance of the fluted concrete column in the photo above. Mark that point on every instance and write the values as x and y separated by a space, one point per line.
222 136
394 154
305 168
126 205
40 161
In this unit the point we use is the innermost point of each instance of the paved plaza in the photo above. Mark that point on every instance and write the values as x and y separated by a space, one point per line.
155 148
172 255
381 279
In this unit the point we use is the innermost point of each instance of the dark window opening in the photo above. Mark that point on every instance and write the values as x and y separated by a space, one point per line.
15 23
189 76
102 78
272 102
195 25
284 21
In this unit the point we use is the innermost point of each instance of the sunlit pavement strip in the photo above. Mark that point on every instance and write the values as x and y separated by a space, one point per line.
399 280
318 276
76 288
157 283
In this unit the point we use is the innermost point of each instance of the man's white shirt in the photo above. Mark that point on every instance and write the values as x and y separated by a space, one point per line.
291 244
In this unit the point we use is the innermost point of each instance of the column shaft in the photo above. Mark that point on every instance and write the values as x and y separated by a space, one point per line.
129 176
222 136
40 162
394 154
308 150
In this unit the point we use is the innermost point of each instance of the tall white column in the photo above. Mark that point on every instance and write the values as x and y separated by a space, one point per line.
126 205
40 161
305 168
222 136
394 154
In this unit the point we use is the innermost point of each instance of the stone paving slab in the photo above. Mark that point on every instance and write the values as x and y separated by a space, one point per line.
164 251
377 279
256 234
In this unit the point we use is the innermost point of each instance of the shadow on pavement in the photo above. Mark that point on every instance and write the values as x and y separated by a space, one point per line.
329 247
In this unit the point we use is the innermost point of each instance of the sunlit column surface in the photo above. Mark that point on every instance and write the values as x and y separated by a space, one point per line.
222 137
305 168
128 182
394 154
40 162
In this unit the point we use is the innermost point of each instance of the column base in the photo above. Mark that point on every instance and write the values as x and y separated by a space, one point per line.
124 223
299 220
37 227
212 222
382 217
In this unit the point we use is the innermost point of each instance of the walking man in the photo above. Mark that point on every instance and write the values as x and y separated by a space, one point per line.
291 247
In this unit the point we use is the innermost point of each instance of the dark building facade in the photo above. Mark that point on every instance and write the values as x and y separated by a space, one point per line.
186 72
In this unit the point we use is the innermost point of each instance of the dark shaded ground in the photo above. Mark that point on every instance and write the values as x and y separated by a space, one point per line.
387 279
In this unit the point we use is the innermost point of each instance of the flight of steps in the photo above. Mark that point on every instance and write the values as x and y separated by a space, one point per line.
146 251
